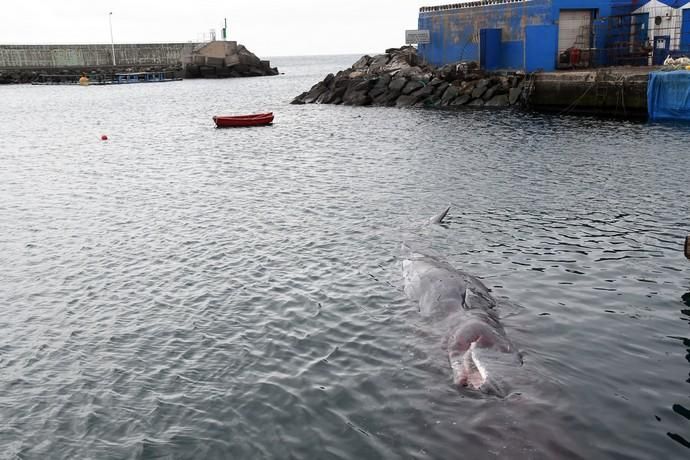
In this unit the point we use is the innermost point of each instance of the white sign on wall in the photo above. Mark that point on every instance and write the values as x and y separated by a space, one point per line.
414 37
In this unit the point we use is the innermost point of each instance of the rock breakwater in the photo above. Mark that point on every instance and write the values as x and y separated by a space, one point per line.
399 78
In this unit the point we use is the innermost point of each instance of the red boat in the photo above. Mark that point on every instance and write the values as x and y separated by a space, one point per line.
233 121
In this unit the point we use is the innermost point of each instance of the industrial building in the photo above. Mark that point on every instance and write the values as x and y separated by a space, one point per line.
547 35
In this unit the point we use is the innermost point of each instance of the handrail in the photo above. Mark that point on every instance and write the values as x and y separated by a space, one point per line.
469 4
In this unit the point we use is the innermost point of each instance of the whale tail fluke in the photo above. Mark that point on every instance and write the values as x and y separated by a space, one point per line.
438 218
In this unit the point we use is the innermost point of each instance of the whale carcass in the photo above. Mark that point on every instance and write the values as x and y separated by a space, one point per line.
479 352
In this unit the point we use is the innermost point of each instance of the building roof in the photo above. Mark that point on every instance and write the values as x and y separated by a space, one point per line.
671 3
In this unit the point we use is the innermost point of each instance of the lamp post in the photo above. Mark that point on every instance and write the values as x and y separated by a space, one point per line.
112 43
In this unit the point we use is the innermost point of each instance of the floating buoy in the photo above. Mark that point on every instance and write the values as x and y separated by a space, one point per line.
104 137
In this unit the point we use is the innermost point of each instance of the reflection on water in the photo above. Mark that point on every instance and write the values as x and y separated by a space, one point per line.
189 292
681 409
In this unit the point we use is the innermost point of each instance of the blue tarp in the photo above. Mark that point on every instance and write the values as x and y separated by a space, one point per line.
668 95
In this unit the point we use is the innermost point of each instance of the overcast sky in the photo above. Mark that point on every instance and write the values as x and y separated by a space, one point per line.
266 27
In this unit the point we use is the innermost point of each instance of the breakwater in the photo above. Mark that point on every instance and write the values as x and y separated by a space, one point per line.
398 78
217 59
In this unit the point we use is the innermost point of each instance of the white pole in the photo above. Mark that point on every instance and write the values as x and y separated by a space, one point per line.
112 43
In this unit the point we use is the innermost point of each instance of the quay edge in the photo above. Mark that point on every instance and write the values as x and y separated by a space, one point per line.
613 92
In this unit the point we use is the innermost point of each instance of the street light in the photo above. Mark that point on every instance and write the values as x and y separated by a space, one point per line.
112 43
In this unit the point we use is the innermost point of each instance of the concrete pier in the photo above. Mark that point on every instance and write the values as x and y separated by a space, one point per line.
612 91
216 59
80 56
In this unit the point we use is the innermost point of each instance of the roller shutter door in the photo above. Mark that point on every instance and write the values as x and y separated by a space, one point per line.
574 29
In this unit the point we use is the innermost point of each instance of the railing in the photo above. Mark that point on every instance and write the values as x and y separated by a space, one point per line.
468 4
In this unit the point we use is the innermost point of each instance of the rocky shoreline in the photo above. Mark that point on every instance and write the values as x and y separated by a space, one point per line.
398 78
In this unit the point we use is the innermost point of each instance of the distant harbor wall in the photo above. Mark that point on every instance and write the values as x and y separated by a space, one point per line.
66 56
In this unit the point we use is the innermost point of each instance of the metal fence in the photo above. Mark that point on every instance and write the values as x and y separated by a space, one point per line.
638 39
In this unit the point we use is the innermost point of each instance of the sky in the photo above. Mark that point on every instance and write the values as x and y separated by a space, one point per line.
265 27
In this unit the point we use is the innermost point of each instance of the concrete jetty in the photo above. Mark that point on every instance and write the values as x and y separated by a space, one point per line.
611 91
216 59
77 56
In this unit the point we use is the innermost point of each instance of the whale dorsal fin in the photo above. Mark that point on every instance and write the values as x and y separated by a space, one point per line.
438 218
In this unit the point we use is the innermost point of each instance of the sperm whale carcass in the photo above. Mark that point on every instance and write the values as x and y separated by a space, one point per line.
480 354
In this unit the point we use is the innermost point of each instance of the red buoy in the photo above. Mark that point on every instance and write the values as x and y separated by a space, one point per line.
104 137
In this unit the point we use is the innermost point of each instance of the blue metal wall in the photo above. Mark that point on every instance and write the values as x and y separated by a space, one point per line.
541 42
456 29
455 32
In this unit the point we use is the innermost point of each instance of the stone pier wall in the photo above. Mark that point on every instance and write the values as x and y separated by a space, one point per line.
617 92
38 57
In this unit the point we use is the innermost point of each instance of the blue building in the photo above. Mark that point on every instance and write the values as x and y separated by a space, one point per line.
550 34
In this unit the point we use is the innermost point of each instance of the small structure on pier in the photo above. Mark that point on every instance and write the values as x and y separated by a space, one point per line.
225 59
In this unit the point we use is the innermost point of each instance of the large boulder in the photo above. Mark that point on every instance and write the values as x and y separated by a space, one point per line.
413 73
332 95
514 95
362 63
246 57
476 103
449 94
378 62
387 99
461 100
316 91
441 89
489 93
406 100
380 85
483 83
466 87
358 99
299 100
357 92
424 91
397 84
412 86
478 91
401 58
500 100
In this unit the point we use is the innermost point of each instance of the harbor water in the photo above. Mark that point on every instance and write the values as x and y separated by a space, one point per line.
182 291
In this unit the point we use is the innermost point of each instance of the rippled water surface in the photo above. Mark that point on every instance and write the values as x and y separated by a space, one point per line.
186 292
